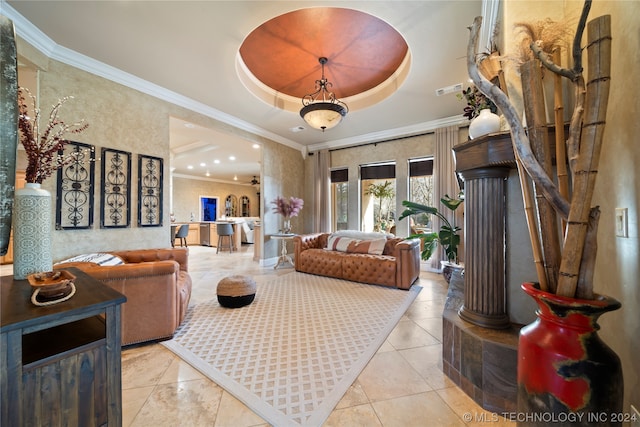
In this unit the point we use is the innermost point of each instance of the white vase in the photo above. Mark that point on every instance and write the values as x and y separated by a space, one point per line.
485 123
31 231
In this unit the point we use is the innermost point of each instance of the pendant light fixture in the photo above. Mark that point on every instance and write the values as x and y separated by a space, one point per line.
321 110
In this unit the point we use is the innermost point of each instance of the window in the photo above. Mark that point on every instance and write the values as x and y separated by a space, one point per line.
378 195
340 198
421 191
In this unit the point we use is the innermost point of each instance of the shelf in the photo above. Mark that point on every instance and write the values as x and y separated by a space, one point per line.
48 345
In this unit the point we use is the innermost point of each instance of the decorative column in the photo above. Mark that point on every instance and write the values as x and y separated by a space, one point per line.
484 274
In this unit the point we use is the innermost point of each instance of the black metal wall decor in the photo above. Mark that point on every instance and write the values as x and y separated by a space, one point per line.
115 192
75 187
149 191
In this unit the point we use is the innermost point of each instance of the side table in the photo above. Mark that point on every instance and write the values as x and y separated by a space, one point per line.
60 364
284 258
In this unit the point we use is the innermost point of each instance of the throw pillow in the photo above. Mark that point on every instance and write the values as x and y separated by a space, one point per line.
349 245
339 243
374 247
96 258
361 235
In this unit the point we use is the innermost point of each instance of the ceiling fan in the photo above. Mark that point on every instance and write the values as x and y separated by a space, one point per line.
255 181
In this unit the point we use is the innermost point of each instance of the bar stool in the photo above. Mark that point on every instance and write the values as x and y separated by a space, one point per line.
225 230
181 234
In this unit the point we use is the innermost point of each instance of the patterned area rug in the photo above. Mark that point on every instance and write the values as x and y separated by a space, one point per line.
294 352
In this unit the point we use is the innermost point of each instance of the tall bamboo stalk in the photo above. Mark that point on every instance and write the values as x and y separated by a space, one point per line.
561 151
596 102
534 105
519 138
532 226
583 144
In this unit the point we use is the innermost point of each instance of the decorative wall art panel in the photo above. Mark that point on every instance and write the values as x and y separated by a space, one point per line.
115 196
149 191
75 187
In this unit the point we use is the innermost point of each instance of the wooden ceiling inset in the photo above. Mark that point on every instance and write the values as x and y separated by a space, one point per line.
363 51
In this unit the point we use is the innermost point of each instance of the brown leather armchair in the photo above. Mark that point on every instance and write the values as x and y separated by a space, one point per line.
157 285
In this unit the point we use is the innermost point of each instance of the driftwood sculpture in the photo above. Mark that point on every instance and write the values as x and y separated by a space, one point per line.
564 251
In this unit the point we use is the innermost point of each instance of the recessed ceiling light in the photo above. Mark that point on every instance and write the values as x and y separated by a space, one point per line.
235 177
208 174
189 167
256 146
189 125
203 164
232 157
216 161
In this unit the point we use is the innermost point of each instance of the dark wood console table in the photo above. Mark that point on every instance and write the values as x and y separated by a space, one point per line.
61 364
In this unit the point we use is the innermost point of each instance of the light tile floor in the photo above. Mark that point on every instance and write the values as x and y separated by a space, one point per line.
403 385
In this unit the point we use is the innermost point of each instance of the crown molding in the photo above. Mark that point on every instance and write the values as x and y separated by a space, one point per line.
390 134
39 40
204 178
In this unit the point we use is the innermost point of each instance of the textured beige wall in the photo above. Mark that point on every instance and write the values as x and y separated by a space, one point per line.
282 175
187 192
125 119
400 151
617 185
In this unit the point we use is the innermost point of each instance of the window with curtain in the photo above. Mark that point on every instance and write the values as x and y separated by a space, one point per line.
421 191
340 198
378 196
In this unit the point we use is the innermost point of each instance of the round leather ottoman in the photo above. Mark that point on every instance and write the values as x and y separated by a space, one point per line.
236 291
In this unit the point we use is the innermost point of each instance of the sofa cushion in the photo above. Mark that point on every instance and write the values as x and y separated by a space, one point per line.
104 259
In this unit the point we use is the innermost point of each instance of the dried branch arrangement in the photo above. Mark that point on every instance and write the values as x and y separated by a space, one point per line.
562 224
43 149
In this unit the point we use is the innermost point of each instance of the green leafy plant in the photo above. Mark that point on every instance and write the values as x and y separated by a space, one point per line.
383 192
448 235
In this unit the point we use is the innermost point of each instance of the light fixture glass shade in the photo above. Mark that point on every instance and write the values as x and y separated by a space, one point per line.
323 115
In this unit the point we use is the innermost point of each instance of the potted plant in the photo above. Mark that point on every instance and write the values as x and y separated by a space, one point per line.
481 111
447 236
563 366
43 146
476 102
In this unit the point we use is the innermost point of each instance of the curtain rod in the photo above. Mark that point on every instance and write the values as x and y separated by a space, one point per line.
381 142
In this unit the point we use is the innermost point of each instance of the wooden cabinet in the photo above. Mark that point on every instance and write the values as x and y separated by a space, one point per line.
61 364
193 238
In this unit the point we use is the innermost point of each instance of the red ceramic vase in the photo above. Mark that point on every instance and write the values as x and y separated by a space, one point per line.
566 373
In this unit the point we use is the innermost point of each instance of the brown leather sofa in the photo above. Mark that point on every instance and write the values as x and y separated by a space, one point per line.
398 266
157 285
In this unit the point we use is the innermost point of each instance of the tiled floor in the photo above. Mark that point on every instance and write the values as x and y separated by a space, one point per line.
403 385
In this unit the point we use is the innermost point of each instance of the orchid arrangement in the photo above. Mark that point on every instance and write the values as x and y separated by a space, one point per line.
288 208
43 150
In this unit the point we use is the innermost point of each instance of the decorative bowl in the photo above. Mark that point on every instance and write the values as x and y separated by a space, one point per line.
51 284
